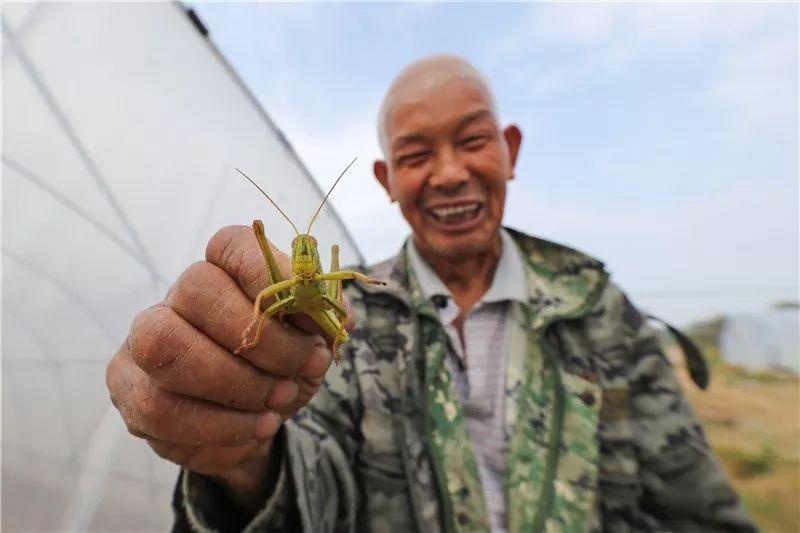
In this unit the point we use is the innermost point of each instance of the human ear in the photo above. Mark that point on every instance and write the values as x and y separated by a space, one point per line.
513 137
381 172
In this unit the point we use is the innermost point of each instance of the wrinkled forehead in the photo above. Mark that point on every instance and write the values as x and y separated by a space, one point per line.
434 101
442 105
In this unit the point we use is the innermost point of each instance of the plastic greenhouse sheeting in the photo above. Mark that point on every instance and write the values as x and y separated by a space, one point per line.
764 340
122 127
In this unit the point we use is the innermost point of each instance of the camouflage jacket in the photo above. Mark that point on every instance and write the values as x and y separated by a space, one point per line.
600 436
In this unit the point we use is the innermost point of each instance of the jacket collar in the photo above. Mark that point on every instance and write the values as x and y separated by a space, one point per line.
562 282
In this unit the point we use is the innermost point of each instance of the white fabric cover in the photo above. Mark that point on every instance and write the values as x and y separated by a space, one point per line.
122 126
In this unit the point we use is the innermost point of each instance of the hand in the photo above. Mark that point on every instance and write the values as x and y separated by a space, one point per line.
178 385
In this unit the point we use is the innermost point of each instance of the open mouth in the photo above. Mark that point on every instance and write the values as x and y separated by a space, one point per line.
456 214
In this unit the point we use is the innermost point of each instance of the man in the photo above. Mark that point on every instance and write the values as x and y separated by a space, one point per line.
499 382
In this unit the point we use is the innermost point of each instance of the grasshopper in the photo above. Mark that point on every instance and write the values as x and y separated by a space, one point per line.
308 290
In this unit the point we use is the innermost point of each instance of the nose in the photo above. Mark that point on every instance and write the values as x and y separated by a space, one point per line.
450 173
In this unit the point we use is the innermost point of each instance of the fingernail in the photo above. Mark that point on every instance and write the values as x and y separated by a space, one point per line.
267 425
284 393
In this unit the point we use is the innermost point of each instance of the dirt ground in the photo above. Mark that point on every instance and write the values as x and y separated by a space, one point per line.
753 423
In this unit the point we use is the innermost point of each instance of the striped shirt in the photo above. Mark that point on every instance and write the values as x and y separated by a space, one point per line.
479 365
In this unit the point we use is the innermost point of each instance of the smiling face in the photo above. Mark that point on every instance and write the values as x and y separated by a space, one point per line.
447 166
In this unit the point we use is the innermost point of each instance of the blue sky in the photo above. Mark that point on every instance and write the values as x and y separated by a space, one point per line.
661 138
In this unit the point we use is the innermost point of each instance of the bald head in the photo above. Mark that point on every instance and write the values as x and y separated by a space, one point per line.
424 75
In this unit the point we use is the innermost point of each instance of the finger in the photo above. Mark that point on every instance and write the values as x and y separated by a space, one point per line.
317 363
210 460
308 387
149 410
185 361
209 299
235 250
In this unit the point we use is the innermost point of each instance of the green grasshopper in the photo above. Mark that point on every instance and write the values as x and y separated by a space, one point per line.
309 290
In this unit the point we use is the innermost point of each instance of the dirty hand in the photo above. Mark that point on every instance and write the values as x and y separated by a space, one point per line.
178 385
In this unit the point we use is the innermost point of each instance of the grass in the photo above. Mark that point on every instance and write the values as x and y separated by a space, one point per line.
752 420
745 465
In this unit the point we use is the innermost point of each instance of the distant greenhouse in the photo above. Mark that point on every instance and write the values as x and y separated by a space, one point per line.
767 340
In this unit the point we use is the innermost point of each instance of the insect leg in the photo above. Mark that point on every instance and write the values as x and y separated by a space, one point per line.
269 311
333 328
336 307
335 286
333 293
272 290
274 274
350 274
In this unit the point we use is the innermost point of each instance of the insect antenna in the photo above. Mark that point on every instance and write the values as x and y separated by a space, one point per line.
329 193
270 200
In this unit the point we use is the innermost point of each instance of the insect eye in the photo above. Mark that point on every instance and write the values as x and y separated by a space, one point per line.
313 240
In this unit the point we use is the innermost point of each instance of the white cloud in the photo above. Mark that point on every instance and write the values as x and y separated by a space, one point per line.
408 12
757 86
573 43
588 24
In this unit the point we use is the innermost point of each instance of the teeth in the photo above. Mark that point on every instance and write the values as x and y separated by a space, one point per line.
459 211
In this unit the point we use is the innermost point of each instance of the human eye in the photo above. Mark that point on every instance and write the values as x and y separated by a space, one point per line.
414 158
474 141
